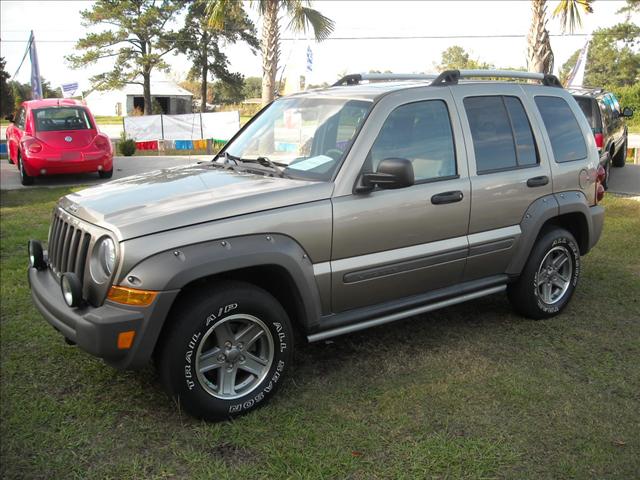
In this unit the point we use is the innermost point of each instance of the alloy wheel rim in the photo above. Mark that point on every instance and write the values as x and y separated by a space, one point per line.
554 275
234 356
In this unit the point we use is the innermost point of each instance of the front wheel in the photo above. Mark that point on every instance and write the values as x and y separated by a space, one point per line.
620 158
549 277
25 178
225 351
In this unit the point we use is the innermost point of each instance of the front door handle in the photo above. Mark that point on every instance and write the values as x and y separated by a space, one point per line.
447 197
538 181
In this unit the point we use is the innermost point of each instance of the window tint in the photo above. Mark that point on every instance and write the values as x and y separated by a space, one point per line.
21 118
420 132
501 133
61 118
525 145
586 105
564 131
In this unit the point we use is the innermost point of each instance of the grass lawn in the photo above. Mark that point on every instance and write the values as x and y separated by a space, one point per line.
472 391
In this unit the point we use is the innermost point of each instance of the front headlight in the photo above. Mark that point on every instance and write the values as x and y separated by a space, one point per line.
103 260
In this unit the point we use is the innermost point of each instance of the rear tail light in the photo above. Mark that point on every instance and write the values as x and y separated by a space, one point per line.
599 140
34 147
601 175
103 143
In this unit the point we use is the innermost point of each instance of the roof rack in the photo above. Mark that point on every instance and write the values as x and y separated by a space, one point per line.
451 77
356 78
448 77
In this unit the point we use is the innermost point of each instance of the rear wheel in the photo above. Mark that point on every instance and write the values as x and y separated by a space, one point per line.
105 173
620 158
225 351
25 178
550 276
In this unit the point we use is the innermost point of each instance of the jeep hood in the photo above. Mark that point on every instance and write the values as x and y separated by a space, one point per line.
176 197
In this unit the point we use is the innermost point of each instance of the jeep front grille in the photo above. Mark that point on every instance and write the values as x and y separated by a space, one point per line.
68 245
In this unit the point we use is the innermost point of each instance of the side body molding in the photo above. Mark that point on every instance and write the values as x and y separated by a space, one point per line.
175 268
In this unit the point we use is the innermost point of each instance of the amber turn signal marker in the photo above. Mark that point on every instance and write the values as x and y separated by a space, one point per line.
125 339
131 296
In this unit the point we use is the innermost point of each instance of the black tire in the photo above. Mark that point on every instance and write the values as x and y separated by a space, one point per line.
620 158
105 173
25 179
192 330
525 295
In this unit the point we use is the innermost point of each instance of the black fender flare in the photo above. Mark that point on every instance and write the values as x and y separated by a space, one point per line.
176 268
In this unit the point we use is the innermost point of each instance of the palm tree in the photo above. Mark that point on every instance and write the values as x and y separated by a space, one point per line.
301 17
539 53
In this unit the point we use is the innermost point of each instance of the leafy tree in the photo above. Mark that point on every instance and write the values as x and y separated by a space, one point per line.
6 92
539 53
613 59
301 17
136 37
22 92
455 58
567 66
630 7
252 87
201 43
228 91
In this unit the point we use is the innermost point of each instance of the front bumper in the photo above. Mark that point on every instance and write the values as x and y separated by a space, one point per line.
96 329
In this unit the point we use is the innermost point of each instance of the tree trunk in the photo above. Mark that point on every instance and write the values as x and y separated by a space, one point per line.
539 53
270 46
146 89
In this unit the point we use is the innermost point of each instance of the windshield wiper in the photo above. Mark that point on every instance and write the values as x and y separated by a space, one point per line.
262 161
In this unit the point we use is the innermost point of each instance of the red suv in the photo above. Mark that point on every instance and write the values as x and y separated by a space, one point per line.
56 136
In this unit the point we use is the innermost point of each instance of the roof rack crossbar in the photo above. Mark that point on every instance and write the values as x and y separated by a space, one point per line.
449 77
355 78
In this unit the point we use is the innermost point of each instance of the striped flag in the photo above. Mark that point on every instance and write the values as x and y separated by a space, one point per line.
309 59
36 83
69 89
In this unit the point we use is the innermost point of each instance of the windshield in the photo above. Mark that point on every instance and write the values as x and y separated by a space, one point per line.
61 118
307 135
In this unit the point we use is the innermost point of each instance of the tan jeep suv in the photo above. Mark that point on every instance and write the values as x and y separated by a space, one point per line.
331 211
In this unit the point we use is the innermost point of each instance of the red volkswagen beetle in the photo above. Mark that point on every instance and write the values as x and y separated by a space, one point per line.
55 136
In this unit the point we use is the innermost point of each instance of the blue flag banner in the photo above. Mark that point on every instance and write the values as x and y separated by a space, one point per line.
69 89
309 59
36 84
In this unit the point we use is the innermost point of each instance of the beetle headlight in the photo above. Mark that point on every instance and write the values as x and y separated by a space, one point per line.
103 260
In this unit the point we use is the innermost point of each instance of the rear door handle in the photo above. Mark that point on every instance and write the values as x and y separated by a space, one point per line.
538 181
447 197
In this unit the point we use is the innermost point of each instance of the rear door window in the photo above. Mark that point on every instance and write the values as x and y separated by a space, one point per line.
501 133
563 129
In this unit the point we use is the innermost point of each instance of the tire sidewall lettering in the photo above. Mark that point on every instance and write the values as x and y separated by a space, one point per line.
281 345
575 259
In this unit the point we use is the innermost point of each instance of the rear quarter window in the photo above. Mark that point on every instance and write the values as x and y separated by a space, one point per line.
563 129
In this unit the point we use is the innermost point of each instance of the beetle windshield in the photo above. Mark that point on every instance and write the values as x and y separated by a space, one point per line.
309 136
61 118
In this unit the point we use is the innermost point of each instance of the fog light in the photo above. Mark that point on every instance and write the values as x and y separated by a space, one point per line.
36 255
100 168
71 289
43 171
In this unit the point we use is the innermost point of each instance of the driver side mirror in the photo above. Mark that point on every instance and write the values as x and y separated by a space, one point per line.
627 112
392 173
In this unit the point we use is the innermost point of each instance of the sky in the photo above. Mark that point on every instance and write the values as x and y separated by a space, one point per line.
57 26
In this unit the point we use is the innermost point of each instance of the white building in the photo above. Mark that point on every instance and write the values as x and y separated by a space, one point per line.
172 98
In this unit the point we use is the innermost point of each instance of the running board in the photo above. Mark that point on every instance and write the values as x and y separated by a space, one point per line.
405 314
